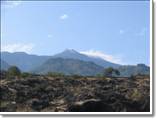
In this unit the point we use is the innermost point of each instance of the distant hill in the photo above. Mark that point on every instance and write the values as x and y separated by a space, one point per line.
75 63
128 70
27 62
24 61
69 66
73 54
4 65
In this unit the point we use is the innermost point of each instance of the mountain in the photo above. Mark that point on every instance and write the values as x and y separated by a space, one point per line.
72 54
75 63
69 66
4 65
24 61
27 62
128 70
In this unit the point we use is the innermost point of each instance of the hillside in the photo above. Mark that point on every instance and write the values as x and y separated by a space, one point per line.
24 61
28 62
128 70
4 65
73 54
69 66
75 63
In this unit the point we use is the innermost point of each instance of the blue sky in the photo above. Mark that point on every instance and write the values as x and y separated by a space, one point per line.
116 31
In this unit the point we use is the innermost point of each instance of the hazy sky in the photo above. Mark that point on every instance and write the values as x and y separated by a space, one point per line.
117 31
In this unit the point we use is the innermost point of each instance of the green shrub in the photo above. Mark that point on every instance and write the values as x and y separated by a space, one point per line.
55 74
76 76
26 74
14 71
108 72
99 75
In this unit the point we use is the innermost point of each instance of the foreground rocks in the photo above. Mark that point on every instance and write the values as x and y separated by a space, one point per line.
83 94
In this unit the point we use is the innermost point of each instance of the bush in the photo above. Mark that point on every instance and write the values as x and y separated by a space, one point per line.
25 75
108 72
132 77
14 71
55 74
76 76
99 75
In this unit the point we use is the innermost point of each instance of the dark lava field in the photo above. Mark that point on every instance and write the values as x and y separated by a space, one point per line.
75 94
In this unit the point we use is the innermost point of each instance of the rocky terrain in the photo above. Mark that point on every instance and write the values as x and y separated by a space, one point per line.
75 94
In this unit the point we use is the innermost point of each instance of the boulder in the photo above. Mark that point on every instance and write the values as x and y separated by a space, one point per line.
92 105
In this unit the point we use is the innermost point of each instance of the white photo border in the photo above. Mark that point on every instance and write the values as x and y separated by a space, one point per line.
151 113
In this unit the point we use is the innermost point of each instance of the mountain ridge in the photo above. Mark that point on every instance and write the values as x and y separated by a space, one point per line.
28 63
69 67
4 65
71 53
23 60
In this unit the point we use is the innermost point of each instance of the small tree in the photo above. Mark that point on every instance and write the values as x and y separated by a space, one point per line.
55 74
117 72
14 71
108 72
25 74
99 75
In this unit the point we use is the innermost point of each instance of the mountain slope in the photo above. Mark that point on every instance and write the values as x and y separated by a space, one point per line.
72 54
69 66
4 65
27 62
24 61
128 70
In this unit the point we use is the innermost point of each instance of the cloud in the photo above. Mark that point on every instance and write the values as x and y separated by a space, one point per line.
11 4
64 16
121 31
49 36
102 55
18 47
